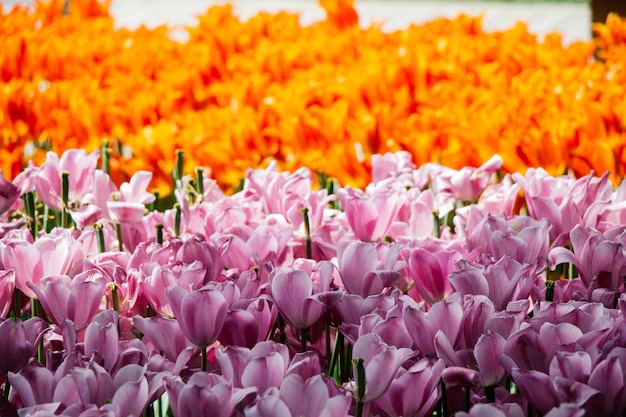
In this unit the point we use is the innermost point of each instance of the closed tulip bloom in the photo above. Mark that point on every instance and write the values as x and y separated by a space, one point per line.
200 313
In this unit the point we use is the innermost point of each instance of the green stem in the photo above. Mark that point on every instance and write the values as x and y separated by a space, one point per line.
328 347
159 234
17 303
490 394
106 156
305 335
177 215
65 195
7 386
120 241
444 399
115 298
307 232
100 237
360 385
31 210
178 171
203 352
550 291
200 182
436 224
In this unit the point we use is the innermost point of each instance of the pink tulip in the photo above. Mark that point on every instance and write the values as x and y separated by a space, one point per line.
311 397
77 299
133 197
294 296
262 367
503 282
391 165
164 334
34 384
521 237
9 194
494 410
414 391
445 316
369 216
608 377
599 257
18 342
429 271
248 323
80 166
201 394
366 268
197 249
562 200
200 313
381 363
102 338
48 255
7 285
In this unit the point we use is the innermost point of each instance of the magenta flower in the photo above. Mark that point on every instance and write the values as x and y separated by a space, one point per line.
200 313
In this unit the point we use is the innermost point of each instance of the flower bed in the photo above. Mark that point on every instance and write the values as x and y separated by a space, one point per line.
434 291
236 94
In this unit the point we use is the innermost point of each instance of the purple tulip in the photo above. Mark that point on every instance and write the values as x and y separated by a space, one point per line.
261 367
203 393
200 313
311 397
102 338
381 363
18 342
369 216
520 237
293 293
77 299
34 384
9 194
80 166
48 255
430 270
413 392
7 286
367 268
599 257
248 323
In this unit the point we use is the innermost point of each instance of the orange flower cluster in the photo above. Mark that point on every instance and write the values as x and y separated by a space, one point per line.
234 94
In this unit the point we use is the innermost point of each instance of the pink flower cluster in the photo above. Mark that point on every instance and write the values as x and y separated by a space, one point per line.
431 292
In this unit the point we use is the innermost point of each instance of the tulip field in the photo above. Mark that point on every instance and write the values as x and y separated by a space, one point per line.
261 218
